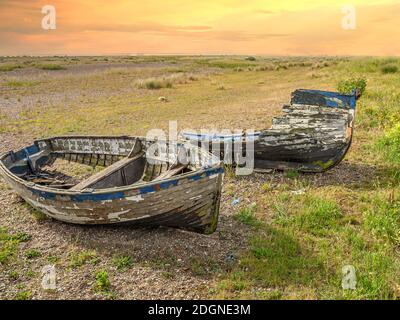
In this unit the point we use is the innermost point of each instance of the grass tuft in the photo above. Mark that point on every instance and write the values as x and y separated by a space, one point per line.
32 254
23 295
247 216
78 259
123 263
102 283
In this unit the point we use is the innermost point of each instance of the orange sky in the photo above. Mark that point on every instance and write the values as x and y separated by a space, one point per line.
270 27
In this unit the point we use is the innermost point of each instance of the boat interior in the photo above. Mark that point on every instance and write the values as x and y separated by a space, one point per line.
46 164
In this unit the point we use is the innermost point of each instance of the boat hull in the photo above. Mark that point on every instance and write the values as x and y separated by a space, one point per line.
189 201
313 135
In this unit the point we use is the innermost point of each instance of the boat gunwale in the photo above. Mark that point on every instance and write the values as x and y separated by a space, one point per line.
217 167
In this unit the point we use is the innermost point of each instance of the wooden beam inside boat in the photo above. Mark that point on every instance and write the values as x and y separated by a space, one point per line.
117 174
113 173
170 173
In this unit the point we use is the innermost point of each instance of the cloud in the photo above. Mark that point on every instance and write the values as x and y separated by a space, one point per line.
143 27
98 26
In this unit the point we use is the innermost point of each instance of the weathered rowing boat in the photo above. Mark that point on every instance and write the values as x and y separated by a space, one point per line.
313 136
144 182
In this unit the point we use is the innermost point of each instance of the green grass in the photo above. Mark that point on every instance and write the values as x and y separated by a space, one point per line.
20 84
123 263
389 68
53 259
23 295
389 145
318 216
102 283
9 244
383 219
247 216
13 275
226 64
32 254
200 266
79 258
8 250
9 67
292 174
300 252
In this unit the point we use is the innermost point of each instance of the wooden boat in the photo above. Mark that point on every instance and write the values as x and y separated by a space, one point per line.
144 182
314 135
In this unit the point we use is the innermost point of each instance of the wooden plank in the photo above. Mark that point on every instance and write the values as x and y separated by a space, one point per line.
96 178
170 173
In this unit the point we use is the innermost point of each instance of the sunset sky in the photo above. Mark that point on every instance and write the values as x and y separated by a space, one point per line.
268 27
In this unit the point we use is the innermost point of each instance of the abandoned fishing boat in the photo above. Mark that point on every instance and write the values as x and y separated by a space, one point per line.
144 182
314 135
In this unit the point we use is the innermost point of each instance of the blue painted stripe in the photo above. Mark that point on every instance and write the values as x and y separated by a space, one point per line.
347 100
32 149
120 194
43 194
167 184
97 197
217 137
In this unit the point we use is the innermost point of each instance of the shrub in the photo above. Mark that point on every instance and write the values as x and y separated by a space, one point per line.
155 84
348 85
389 68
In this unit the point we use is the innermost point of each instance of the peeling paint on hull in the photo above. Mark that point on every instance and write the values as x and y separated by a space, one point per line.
189 200
313 135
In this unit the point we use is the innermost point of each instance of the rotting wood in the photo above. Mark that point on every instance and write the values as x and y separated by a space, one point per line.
312 135
176 195
114 169
170 173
